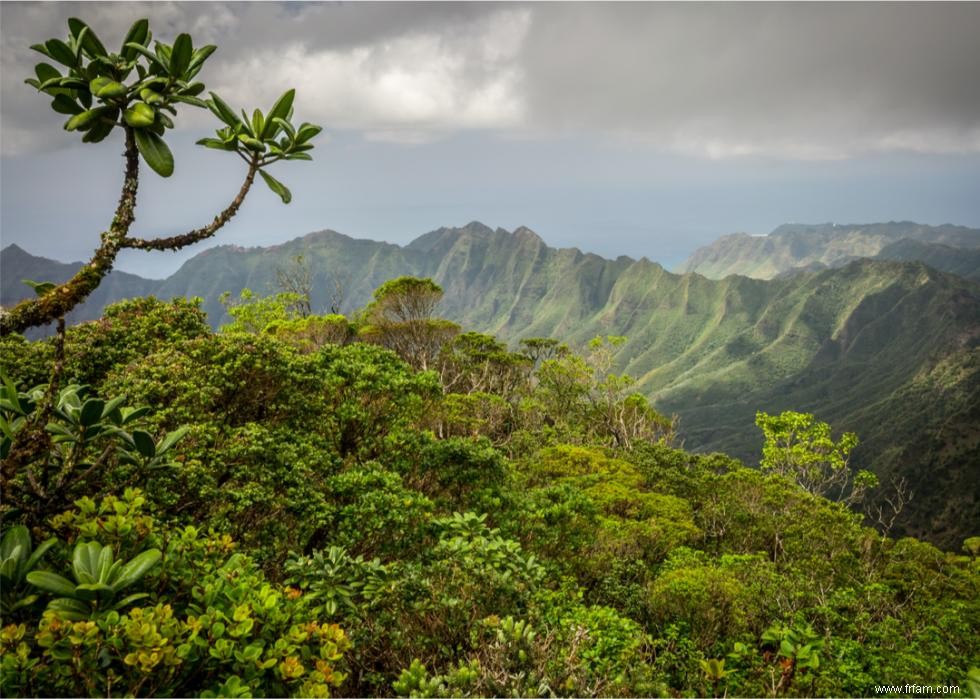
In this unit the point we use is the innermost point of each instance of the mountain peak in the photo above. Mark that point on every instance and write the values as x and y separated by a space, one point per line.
525 233
476 227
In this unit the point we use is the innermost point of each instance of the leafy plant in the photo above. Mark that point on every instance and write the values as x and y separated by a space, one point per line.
800 447
799 647
335 580
138 90
98 578
85 435
18 558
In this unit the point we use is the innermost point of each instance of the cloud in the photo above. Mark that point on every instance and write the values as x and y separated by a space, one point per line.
798 81
406 88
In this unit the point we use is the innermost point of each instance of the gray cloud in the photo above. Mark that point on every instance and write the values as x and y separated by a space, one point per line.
807 81
812 80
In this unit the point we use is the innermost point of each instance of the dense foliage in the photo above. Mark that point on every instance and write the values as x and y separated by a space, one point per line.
888 351
275 509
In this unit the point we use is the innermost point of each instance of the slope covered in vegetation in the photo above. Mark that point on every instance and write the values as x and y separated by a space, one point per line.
303 510
885 349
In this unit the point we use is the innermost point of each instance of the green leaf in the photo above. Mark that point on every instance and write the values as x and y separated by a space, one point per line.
187 99
129 599
70 609
144 443
51 582
247 124
15 539
279 111
104 564
104 87
252 144
163 52
285 126
59 51
38 553
139 33
91 411
150 96
41 48
94 591
171 439
193 90
299 156
75 43
45 72
155 152
221 110
112 405
197 61
132 414
307 132
180 55
85 119
277 187
101 129
65 82
140 115
258 124
216 143
40 288
63 104
154 60
136 569
8 568
89 41
84 562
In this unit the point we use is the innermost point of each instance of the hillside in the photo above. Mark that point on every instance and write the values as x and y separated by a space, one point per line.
16 264
283 521
794 246
886 349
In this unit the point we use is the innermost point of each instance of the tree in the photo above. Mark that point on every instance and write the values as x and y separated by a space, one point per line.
584 395
138 90
296 277
405 300
400 318
800 447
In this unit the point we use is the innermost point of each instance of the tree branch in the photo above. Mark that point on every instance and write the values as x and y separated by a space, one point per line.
63 298
179 241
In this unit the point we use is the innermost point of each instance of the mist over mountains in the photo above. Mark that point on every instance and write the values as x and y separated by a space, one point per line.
792 248
885 348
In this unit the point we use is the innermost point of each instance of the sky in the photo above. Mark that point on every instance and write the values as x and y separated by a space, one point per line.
619 128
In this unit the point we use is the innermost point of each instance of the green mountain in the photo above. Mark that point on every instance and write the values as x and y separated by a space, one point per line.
795 247
16 265
886 349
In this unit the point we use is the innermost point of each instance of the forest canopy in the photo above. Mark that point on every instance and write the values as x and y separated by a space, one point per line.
293 505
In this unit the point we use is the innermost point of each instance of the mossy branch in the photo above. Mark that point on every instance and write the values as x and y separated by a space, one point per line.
177 242
63 298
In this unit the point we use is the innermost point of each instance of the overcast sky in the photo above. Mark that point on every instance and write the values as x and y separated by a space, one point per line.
639 129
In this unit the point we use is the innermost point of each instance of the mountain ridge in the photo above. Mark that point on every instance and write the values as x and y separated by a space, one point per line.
792 247
865 345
